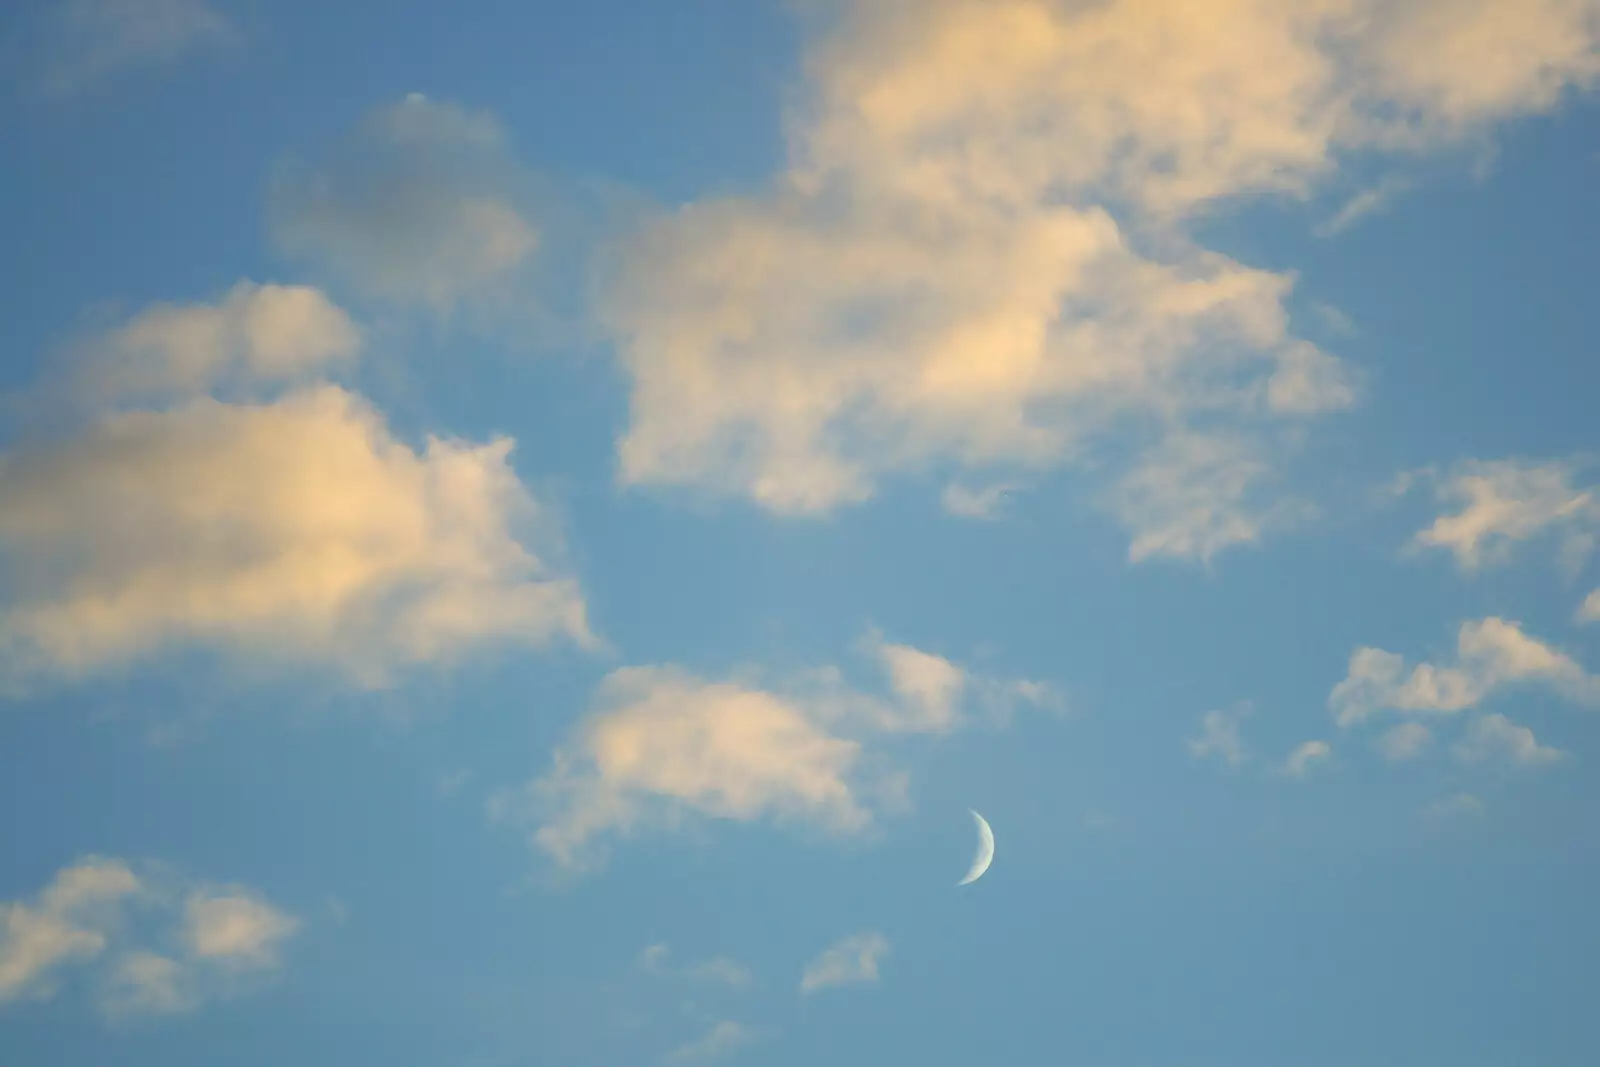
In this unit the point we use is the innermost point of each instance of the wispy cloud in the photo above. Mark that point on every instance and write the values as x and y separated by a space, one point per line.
662 743
1306 755
1505 502
1365 203
1495 738
1219 737
1406 741
852 960
1459 806
422 204
972 503
722 1040
85 41
150 954
1589 610
1490 653
718 970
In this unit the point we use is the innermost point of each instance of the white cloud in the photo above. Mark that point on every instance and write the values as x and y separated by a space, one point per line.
148 983
849 961
150 955
1491 652
975 503
235 927
931 686
422 204
1304 756
86 40
1367 202
1193 496
722 1040
1505 502
661 743
299 530
662 735
1462 805
1404 742
1497 738
256 334
1589 610
1219 737
975 256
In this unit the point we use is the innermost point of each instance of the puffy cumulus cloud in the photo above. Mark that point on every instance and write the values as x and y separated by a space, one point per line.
975 254
149 955
662 743
1490 653
1220 738
1504 502
83 41
850 961
421 204
254 335
299 530
1306 755
1497 738
721 1041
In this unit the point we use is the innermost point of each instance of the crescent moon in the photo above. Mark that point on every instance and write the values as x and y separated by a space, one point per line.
985 856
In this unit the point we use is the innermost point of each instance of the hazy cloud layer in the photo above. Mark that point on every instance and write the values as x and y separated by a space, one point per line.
976 252
84 41
148 944
662 743
422 204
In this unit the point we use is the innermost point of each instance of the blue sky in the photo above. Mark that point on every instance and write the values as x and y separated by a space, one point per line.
524 531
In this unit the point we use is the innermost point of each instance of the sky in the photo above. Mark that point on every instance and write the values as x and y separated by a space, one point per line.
526 527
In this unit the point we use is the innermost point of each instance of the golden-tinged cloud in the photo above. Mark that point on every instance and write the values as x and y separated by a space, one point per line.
661 743
1505 502
1491 653
976 254
300 530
